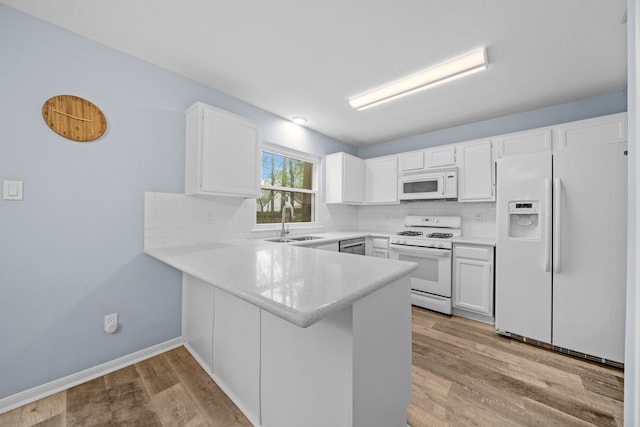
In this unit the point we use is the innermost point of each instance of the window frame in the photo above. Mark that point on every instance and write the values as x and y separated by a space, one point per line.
315 189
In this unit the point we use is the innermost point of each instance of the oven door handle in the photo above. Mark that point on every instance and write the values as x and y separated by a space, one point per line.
420 250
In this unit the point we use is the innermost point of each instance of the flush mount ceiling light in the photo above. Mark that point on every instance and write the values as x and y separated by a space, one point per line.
299 120
459 67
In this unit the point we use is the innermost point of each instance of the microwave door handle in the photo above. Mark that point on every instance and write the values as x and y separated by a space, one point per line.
441 185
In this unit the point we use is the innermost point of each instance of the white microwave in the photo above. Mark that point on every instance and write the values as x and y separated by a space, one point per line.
434 184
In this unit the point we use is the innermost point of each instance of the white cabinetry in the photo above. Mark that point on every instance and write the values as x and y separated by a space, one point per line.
378 247
197 319
236 351
264 363
416 161
473 282
223 153
344 175
476 172
440 156
529 141
381 180
333 246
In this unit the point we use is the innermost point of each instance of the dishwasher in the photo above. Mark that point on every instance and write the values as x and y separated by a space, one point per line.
353 246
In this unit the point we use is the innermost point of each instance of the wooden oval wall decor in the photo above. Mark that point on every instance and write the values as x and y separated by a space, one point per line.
74 118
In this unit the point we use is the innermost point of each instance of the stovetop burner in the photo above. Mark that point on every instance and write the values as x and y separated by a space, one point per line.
440 235
410 233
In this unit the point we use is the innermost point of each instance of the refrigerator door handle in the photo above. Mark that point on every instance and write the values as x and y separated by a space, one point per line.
557 210
547 225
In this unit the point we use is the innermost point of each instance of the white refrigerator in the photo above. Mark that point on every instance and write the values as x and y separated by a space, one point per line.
561 248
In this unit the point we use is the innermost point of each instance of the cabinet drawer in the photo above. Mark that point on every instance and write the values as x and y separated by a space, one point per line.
380 243
380 253
473 252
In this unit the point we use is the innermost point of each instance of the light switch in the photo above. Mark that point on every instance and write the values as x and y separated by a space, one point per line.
12 190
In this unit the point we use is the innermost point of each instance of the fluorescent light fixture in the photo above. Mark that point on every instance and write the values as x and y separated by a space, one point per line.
299 120
459 67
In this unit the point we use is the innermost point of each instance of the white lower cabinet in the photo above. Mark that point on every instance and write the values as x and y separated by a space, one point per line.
377 247
333 246
222 333
473 282
282 375
236 351
197 319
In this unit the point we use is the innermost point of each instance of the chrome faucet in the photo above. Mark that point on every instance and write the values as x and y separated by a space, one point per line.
284 211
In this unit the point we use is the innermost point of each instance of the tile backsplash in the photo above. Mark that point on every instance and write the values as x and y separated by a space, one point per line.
478 219
176 220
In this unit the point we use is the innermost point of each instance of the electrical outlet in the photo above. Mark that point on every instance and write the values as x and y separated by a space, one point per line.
111 323
478 216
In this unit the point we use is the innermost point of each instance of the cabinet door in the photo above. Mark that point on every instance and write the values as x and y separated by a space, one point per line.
333 247
473 285
236 351
230 153
223 153
197 319
476 172
381 180
343 178
352 179
412 162
530 141
380 253
441 156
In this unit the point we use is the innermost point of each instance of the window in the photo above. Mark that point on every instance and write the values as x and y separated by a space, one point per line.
287 176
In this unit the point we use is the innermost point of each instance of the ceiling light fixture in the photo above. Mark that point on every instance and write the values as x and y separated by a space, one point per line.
459 67
299 120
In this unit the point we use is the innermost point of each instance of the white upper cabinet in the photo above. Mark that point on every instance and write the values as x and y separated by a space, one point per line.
476 173
440 156
590 132
431 158
344 175
381 180
529 141
223 155
412 161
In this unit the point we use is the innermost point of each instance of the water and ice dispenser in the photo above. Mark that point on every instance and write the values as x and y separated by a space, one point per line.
524 220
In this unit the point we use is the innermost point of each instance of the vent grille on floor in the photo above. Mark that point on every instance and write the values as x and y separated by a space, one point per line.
563 350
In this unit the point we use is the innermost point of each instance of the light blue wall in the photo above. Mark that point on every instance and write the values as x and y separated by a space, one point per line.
71 252
578 110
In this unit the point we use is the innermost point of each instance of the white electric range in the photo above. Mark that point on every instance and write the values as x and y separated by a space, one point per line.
426 240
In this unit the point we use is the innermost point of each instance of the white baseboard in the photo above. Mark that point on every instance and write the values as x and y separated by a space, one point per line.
31 395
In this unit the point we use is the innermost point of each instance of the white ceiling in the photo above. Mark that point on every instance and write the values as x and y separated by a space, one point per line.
305 58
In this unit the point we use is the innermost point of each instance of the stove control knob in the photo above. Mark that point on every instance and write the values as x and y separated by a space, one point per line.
432 245
440 245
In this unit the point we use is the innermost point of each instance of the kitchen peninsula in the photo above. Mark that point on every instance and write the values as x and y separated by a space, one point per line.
297 336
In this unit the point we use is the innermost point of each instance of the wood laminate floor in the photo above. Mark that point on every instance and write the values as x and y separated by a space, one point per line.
464 374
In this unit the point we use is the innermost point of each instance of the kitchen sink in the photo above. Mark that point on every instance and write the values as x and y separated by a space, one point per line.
279 240
304 238
292 239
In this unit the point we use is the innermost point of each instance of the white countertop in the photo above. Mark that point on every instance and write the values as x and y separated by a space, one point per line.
301 285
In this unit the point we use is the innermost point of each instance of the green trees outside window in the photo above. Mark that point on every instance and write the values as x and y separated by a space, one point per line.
286 176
